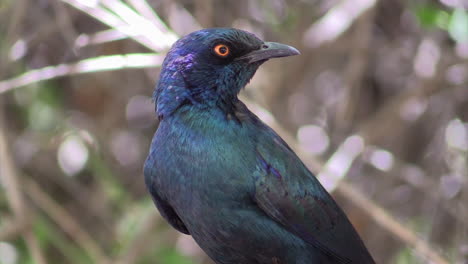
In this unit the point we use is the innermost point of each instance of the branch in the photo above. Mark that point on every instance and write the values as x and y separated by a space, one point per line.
389 223
13 228
336 22
97 64
118 15
356 68
65 221
11 183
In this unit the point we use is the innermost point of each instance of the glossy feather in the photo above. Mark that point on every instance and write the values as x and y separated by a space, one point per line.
218 173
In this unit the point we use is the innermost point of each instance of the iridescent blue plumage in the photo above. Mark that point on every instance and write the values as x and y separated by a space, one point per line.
218 173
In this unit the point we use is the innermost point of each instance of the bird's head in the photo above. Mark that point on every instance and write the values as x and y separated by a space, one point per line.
209 67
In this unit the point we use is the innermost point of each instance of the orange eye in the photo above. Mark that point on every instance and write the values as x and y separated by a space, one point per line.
221 50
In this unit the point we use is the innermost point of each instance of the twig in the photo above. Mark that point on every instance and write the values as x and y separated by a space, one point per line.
64 22
336 22
159 40
338 165
14 195
12 228
110 19
180 19
65 221
34 247
143 8
383 219
97 64
101 37
356 69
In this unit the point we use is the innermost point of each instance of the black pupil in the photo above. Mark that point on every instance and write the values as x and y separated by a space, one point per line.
223 50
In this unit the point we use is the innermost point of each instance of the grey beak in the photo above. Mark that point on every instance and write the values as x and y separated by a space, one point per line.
270 50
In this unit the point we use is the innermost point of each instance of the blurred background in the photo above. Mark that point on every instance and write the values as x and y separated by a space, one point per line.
376 105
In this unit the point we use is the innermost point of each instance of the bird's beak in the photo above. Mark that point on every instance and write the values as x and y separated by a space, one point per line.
270 50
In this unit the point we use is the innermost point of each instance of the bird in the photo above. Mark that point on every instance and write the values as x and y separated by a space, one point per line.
216 172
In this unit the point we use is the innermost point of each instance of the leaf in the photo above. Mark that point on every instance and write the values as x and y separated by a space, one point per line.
429 16
458 25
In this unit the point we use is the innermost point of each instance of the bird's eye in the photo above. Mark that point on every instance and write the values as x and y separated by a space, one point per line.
221 50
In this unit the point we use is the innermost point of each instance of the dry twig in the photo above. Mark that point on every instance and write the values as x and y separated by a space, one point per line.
14 194
65 221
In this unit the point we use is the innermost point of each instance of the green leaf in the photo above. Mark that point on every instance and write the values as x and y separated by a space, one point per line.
429 16
458 25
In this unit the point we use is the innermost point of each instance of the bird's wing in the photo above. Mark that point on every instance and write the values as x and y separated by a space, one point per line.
168 213
164 208
288 193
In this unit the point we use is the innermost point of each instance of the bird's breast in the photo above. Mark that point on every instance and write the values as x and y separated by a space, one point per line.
201 165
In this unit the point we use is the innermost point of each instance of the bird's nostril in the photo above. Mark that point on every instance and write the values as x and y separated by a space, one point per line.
264 46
